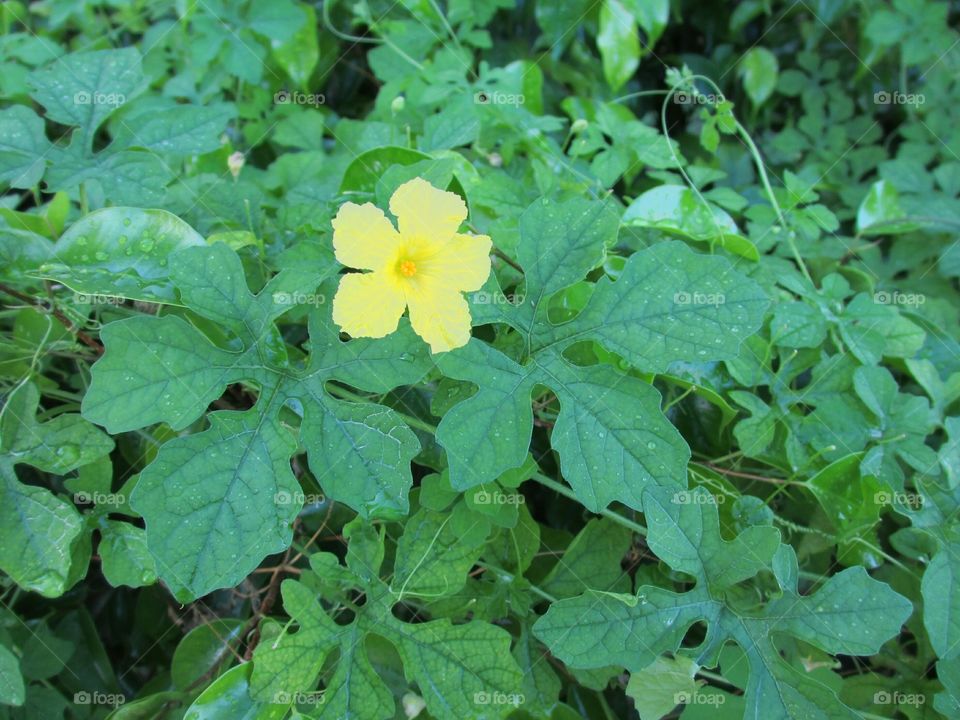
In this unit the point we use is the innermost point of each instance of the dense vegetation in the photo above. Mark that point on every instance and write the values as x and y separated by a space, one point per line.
698 454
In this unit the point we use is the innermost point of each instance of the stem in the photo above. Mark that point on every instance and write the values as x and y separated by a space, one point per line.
606 512
510 578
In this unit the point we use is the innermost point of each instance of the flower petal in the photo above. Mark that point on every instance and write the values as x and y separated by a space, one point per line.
441 317
462 264
363 237
424 212
367 305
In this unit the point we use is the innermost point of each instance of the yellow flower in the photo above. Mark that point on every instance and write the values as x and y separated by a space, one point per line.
425 266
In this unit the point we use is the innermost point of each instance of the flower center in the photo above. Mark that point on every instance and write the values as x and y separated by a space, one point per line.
408 268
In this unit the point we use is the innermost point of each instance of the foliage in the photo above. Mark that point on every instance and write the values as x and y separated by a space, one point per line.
698 457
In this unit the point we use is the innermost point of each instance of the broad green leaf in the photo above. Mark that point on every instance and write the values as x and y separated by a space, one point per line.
618 42
59 445
591 561
655 688
562 242
759 70
120 252
936 516
229 696
850 613
83 89
124 557
880 212
36 532
797 325
12 691
179 130
23 147
202 649
667 305
677 210
437 551
363 174
217 501
210 534
453 665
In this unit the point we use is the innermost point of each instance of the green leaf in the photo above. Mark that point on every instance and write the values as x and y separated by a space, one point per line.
618 42
23 147
211 534
677 210
229 696
612 439
759 70
179 130
655 689
453 665
210 499
202 649
124 557
57 446
850 613
83 89
591 561
880 212
121 252
12 691
36 532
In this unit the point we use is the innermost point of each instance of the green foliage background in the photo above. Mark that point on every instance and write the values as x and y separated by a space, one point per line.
699 458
